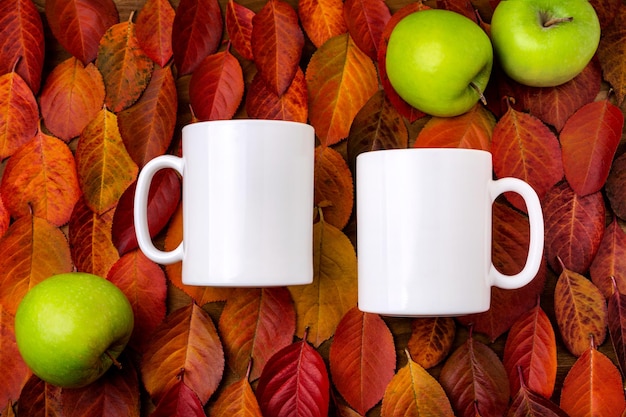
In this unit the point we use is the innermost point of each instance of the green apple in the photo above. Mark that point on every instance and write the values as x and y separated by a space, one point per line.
71 327
544 43
439 61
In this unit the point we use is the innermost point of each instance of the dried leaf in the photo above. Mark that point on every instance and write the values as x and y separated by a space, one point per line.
15 373
38 398
148 125
143 283
125 67
474 376
277 42
526 403
334 189
322 19
154 30
589 141
580 310
431 340
610 260
72 96
254 325
616 317
105 169
185 345
472 130
366 20
294 382
216 87
78 25
237 399
530 354
606 11
593 387
32 250
524 147
179 401
614 187
321 305
612 53
414 392
340 80
22 40
263 103
40 178
19 113
239 28
574 227
197 32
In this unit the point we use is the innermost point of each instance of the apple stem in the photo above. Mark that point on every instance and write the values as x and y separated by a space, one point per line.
117 364
555 20
480 93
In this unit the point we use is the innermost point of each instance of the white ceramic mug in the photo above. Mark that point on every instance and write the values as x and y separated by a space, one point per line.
424 220
247 204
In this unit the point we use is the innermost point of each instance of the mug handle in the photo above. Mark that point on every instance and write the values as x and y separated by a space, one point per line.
140 209
535 249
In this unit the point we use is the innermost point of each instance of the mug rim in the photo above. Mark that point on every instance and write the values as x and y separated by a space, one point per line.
244 121
382 152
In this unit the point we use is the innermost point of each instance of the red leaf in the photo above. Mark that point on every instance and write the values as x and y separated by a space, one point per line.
38 398
610 261
526 403
78 25
589 140
19 114
616 315
366 20
154 30
179 401
22 41
196 33
239 28
322 19
5 218
263 103
216 87
14 371
362 359
574 227
277 43
294 382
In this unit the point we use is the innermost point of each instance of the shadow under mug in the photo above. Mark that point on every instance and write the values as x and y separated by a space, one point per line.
247 204
424 230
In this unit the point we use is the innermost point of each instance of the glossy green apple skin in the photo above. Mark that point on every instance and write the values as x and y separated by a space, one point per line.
433 57
539 56
66 324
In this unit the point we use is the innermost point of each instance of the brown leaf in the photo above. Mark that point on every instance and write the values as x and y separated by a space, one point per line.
322 19
431 340
237 399
72 96
263 103
185 345
574 227
32 250
610 261
340 80
40 178
614 187
15 373
154 30
19 113
526 403
38 398
612 53
580 310
334 190
616 316
366 20
239 28
606 10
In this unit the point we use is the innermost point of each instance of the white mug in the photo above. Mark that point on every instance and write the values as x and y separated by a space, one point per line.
424 224
247 204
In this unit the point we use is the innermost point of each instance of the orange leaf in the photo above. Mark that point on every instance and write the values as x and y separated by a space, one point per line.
15 373
143 283
362 359
239 28
78 25
431 340
414 392
530 349
574 227
40 178
72 96
5 218
321 305
322 19
475 379
524 147
378 125
154 30
19 113
263 103
471 130
125 67
197 32
366 20
185 345
593 387
610 260
105 169
179 401
340 80
216 87
22 40
90 240
254 325
40 398
612 53
334 190
32 250
148 125
237 399
277 43
580 310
